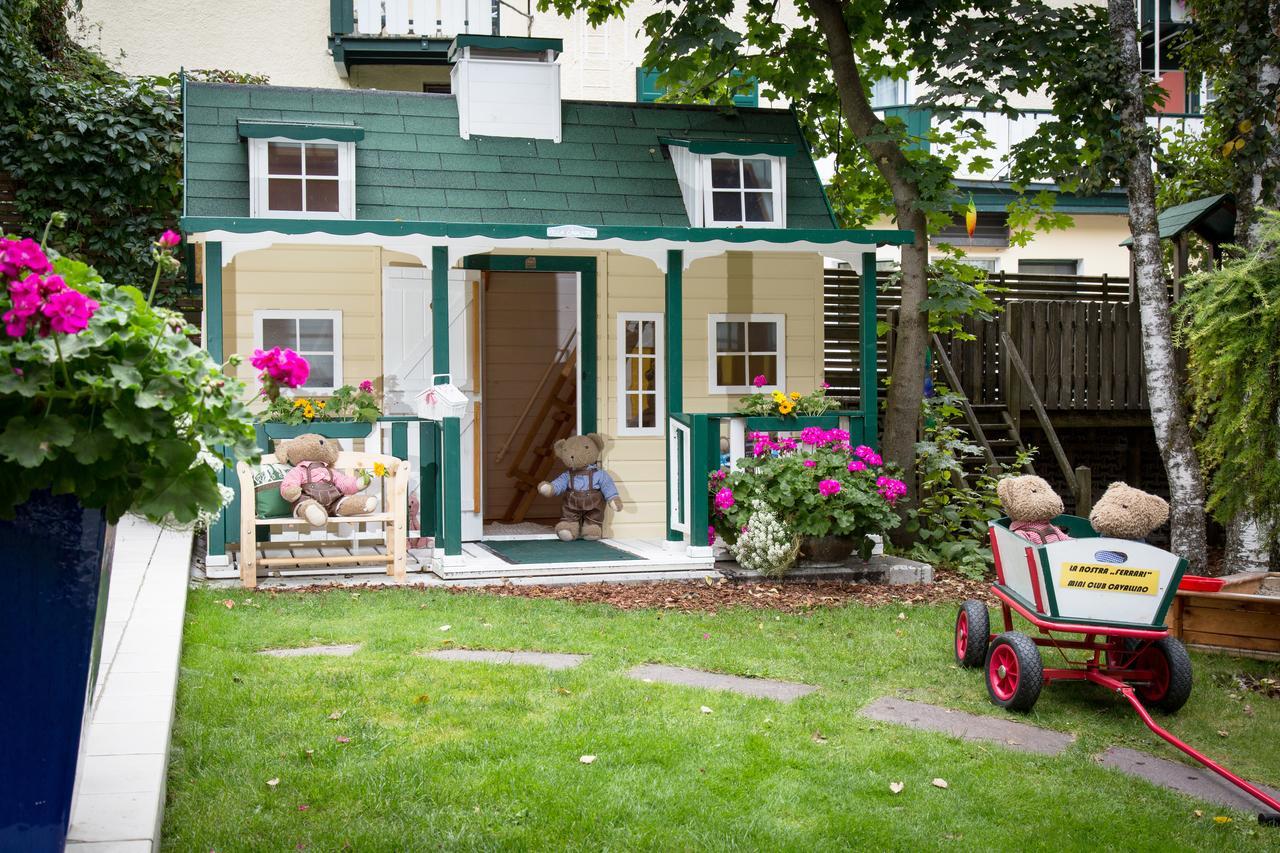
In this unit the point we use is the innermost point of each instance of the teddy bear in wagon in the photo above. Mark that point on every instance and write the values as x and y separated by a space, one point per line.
586 488
1124 512
1031 504
313 486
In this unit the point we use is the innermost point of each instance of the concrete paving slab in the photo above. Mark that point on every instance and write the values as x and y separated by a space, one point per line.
138 846
765 688
1193 781
339 651
546 660
934 718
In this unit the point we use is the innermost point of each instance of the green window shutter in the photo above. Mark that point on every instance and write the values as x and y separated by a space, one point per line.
647 88
748 99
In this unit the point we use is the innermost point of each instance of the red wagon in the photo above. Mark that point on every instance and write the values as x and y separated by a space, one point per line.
1100 604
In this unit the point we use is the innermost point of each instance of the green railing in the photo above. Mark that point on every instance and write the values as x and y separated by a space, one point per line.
693 452
439 481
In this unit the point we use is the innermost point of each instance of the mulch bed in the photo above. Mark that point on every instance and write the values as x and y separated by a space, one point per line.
710 596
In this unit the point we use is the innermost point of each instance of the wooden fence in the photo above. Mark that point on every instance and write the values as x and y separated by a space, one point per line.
842 331
10 222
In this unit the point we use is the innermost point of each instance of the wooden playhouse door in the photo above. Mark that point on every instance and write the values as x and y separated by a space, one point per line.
407 352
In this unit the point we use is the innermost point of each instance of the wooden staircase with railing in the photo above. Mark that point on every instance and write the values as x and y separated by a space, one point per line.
554 419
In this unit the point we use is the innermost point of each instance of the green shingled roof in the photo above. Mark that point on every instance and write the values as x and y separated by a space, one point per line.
412 165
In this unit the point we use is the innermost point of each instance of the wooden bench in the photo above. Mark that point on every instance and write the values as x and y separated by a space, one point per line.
394 506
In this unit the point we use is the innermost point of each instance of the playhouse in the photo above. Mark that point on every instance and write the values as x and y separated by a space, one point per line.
620 268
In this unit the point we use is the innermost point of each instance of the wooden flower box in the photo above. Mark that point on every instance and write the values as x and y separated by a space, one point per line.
1239 618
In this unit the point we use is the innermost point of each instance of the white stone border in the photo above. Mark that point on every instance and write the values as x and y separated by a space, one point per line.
119 801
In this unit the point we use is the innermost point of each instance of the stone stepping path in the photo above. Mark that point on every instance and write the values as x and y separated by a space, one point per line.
765 688
1194 781
546 660
933 718
344 651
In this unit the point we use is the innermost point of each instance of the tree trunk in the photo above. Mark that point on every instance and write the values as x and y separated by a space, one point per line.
1168 415
1249 537
906 392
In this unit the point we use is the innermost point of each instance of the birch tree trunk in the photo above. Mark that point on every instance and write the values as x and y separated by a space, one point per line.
1168 415
1249 537
902 406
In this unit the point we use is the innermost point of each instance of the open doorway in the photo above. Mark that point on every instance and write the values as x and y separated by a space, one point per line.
530 393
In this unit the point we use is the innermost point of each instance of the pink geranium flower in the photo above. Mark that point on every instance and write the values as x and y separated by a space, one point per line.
169 239
711 533
760 381
857 465
827 488
812 436
17 255
809 463
366 386
867 455
724 498
69 311
890 489
283 367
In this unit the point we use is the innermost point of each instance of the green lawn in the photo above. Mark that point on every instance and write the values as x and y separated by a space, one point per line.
474 756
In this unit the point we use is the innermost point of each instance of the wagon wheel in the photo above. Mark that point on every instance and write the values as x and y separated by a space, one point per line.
973 633
1015 672
1170 665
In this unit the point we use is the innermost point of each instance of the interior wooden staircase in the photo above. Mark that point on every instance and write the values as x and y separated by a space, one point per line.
554 419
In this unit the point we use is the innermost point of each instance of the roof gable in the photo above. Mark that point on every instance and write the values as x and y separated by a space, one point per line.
610 169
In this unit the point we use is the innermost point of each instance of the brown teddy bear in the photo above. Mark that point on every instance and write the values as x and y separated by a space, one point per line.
1031 505
315 489
1124 512
586 488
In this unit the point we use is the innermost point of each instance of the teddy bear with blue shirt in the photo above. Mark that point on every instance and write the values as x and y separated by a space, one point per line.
586 489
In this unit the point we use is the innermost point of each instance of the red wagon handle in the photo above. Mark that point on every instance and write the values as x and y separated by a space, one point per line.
1252 790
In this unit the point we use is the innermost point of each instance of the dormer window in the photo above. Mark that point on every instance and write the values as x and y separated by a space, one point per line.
301 171
743 191
732 184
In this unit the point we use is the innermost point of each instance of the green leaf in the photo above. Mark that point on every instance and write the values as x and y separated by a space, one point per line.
32 443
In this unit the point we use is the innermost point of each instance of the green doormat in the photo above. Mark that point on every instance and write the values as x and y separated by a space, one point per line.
555 551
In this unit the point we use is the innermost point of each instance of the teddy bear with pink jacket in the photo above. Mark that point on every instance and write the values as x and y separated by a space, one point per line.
315 488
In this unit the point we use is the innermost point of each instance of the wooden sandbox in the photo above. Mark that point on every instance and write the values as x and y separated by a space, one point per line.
1243 617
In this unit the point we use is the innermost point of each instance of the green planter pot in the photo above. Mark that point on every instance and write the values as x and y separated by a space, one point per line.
329 429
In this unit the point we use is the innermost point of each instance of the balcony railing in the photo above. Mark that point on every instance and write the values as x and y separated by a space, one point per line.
408 18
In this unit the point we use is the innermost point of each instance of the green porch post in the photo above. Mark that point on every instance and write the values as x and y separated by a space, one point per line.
673 332
440 310
868 377
226 526
452 474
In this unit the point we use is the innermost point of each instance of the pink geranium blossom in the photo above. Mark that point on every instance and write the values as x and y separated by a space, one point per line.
809 463
366 386
827 488
760 381
890 489
724 498
787 444
711 533
169 239
68 311
812 436
857 465
284 367
17 255
867 455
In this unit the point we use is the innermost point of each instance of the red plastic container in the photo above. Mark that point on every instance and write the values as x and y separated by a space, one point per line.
1196 583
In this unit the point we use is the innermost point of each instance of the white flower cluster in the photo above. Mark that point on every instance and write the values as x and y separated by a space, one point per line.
767 545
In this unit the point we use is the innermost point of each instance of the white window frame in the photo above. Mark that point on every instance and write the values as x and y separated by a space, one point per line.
302 314
780 320
259 198
660 355
778 168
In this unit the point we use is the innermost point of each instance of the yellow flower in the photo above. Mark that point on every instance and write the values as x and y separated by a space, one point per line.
298 402
320 404
379 470
795 395
785 408
779 396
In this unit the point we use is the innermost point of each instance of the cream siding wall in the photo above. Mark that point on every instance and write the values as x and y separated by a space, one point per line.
346 279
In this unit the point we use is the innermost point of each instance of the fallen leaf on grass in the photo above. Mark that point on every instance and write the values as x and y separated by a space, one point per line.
342 739
422 699
704 709
564 691
819 737
939 783
1221 819
445 627
902 616
271 783
1248 710
587 759
896 787
1222 733
336 715
228 604
1199 813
